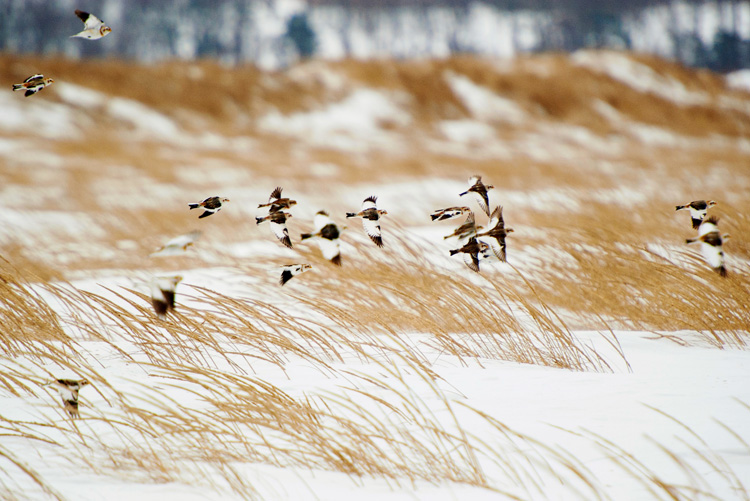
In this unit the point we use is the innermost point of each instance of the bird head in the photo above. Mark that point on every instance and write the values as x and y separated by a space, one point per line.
105 30
710 203
48 81
509 230
306 267
224 200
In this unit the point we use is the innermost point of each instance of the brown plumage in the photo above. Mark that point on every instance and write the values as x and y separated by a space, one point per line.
498 231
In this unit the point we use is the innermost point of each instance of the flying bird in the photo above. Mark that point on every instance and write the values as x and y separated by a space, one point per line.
471 252
292 270
479 190
698 210
277 203
327 234
711 244
210 205
449 213
178 245
278 226
163 295
68 390
498 231
33 84
93 27
466 230
370 215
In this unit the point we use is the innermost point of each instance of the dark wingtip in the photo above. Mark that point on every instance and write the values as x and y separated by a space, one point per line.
286 275
722 271
433 216
696 223
336 260
287 241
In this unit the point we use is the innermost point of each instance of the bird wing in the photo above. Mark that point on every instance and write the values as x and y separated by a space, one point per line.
483 201
471 260
321 220
496 219
275 194
281 232
90 21
329 248
370 203
38 76
372 228
498 247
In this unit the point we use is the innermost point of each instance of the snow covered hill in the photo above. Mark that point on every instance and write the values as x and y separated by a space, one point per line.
605 359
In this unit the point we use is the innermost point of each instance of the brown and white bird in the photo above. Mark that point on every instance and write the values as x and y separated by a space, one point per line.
327 234
479 190
471 252
276 203
178 245
93 27
449 213
498 231
711 244
163 295
33 84
698 210
370 215
278 226
209 205
466 230
292 270
68 390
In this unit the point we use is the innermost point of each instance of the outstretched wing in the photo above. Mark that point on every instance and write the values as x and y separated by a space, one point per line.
370 202
282 233
90 21
372 228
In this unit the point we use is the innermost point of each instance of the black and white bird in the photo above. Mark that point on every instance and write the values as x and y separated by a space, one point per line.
68 390
711 244
33 84
163 295
479 190
449 213
370 215
471 252
467 230
698 210
93 27
278 226
292 270
276 203
498 232
178 245
327 234
209 205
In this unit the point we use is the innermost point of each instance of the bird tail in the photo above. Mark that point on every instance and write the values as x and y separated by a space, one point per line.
351 214
454 251
18 87
194 206
678 207
258 220
305 236
462 194
691 240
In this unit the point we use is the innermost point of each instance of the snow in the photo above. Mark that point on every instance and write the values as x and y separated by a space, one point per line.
739 80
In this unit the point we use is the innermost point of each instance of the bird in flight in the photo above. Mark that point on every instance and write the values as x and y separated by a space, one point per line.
471 252
479 190
466 230
292 270
163 295
209 205
33 84
93 27
327 234
711 244
278 226
370 215
68 390
276 203
698 210
449 213
177 245
498 231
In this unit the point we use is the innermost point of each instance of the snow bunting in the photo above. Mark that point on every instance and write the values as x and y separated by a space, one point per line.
210 205
698 210
68 389
178 245
711 244
277 203
292 270
278 226
466 230
479 190
471 252
33 84
498 231
163 295
327 235
93 27
370 215
449 213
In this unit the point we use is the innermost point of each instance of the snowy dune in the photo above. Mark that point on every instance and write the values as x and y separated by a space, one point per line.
402 374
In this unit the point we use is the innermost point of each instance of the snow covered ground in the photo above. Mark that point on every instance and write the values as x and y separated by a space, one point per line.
316 390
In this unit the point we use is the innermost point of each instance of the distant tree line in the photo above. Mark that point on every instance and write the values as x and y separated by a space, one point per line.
261 32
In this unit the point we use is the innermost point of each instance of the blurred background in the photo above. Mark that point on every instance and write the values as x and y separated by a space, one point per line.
276 33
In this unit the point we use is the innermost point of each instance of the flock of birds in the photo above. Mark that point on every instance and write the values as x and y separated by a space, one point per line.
327 233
